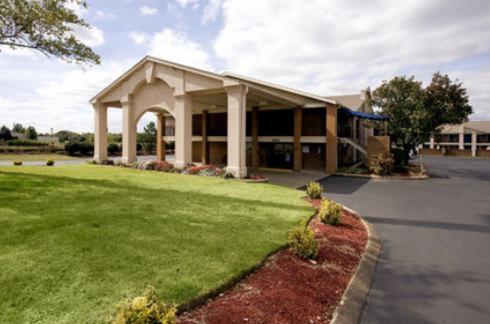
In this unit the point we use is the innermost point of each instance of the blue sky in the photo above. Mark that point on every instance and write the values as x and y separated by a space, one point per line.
323 46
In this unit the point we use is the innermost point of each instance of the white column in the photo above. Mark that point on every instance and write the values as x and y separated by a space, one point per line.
183 130
461 138
473 143
129 131
431 142
100 132
237 107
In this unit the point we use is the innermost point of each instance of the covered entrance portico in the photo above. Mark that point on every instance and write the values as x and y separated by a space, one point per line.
216 115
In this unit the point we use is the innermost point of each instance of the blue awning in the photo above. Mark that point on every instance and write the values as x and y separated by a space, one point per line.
362 115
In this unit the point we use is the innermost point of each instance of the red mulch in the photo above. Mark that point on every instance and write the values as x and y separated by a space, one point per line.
288 289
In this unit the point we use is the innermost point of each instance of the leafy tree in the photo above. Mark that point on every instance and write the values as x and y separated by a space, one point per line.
415 113
66 135
5 134
47 26
18 128
147 139
31 133
448 101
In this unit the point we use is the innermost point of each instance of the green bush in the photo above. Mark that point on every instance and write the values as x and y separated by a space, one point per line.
303 242
50 162
314 190
330 212
146 309
380 164
83 147
17 162
24 142
113 148
398 156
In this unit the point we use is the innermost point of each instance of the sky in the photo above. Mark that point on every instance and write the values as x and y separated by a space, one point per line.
326 47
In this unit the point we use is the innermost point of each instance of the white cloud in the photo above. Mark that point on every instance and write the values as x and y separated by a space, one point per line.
148 11
174 46
55 94
102 15
332 47
138 37
184 3
211 11
90 36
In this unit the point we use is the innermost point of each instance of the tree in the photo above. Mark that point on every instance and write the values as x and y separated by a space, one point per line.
5 134
402 100
18 128
415 113
47 26
66 135
448 101
148 138
31 133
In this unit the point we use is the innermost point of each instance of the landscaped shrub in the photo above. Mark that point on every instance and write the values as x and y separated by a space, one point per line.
84 148
50 162
17 162
204 170
92 162
24 142
146 309
164 166
113 148
314 190
380 164
330 212
303 242
398 156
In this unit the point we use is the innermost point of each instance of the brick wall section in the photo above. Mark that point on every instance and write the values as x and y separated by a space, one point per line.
331 146
377 145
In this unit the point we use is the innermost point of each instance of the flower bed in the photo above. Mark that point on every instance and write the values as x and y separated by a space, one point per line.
289 289
206 170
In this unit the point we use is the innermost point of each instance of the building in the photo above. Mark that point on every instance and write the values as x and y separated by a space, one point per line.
232 120
469 139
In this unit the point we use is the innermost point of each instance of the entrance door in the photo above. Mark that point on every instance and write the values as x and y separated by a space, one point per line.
278 155
313 156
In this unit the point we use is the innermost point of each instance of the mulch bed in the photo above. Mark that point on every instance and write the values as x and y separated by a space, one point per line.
287 289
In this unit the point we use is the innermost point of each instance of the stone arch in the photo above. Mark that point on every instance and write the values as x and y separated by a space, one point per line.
154 96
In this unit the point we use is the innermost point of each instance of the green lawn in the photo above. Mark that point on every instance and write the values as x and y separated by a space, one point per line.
75 240
35 157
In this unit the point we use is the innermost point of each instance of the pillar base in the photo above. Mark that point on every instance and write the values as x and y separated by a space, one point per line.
100 158
237 172
127 160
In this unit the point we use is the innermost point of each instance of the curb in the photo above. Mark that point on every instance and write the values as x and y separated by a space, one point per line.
353 301
394 177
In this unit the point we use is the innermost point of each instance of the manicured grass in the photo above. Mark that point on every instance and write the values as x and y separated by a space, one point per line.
76 240
36 157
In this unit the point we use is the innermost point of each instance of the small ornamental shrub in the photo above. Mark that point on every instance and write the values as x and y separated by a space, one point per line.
50 162
303 242
330 212
380 164
314 190
164 166
398 157
94 162
146 309
113 148
107 162
17 162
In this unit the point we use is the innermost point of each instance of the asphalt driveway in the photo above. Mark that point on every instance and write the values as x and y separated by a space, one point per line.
435 261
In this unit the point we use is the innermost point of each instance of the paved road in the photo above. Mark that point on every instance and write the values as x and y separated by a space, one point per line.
435 261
